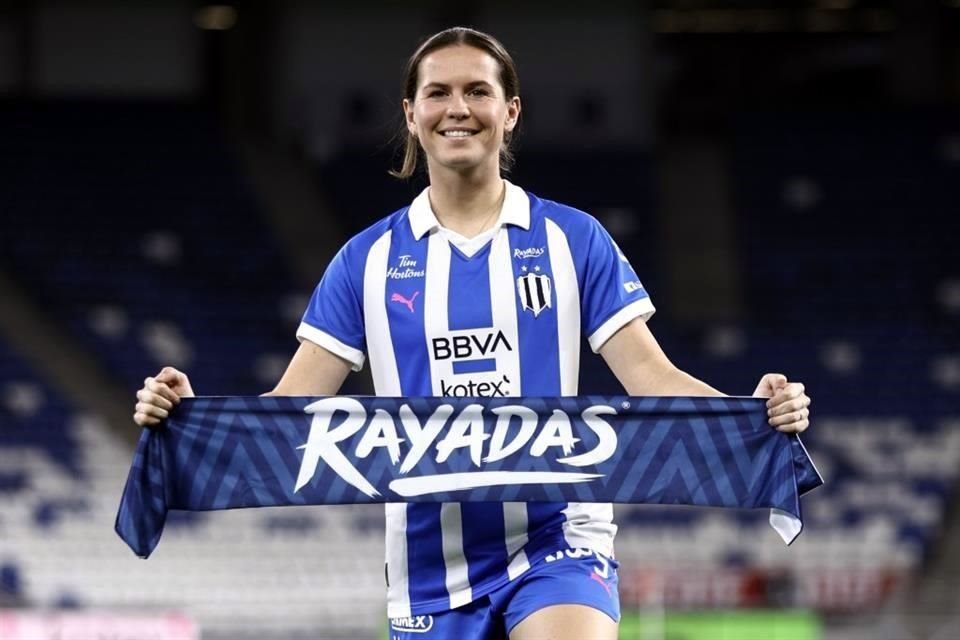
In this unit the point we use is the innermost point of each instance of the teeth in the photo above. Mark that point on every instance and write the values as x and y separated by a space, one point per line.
457 134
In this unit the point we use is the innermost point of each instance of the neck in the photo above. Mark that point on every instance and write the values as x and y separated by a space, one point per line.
466 204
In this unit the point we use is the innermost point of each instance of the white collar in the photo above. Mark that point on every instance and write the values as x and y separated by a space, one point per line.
515 210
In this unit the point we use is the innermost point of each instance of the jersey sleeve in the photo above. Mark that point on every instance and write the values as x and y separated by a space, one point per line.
334 315
611 294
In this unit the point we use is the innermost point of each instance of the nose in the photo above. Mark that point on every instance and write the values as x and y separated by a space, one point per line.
458 107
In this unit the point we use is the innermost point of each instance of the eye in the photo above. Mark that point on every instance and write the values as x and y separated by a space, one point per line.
479 91
436 93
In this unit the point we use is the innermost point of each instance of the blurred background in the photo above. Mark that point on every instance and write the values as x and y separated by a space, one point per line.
783 174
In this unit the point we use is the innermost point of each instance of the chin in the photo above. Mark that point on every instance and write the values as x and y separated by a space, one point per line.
461 162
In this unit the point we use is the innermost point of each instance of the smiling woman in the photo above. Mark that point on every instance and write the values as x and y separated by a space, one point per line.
479 288
459 113
491 83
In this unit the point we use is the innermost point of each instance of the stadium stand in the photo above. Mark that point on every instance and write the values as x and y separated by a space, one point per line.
859 301
152 187
250 574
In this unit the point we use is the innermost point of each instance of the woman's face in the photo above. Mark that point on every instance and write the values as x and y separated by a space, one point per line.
460 114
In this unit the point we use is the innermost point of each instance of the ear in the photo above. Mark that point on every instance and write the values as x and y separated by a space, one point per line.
408 117
513 113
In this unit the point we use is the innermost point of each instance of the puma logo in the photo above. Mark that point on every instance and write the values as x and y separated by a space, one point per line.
596 578
409 302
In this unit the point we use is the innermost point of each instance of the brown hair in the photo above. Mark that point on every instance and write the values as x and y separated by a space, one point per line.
447 38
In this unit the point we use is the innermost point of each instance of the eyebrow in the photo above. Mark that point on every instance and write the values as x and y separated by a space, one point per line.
469 85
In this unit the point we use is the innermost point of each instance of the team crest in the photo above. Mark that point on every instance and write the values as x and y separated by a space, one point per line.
534 290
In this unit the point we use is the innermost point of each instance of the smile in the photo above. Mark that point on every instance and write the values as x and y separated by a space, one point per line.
457 133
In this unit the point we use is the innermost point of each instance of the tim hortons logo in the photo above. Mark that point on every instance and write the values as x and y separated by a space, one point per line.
442 433
407 269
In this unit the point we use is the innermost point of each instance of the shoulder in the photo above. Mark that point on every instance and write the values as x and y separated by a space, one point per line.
574 223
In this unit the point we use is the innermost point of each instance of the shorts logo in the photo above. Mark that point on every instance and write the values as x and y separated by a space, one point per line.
413 624
600 572
534 290
596 578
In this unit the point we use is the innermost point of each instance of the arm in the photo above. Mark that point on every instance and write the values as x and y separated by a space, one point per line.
313 371
331 341
641 366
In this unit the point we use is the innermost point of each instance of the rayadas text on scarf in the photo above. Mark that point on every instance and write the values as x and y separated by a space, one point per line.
407 440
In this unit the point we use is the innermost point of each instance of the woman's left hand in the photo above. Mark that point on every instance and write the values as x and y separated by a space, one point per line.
788 408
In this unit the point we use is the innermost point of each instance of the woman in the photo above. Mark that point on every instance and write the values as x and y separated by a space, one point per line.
481 289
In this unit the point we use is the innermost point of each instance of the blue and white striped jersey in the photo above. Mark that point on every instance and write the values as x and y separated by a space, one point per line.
500 314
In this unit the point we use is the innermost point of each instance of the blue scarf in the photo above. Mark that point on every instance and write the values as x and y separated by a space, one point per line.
232 452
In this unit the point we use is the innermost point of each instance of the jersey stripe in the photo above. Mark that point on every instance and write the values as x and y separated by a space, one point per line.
483 540
425 546
515 533
398 592
386 380
504 310
568 307
383 362
435 304
405 310
457 579
539 357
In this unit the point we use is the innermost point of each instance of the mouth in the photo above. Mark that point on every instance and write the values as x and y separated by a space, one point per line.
458 133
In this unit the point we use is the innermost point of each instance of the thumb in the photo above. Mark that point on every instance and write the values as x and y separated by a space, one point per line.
777 381
770 384
169 376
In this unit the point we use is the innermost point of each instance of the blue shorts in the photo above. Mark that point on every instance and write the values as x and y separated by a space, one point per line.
571 576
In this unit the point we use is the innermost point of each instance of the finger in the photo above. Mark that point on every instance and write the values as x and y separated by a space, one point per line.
162 389
169 375
789 418
790 392
770 385
798 427
777 380
149 397
788 406
152 410
145 420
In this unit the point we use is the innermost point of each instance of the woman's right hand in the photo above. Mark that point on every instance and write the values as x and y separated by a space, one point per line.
159 395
